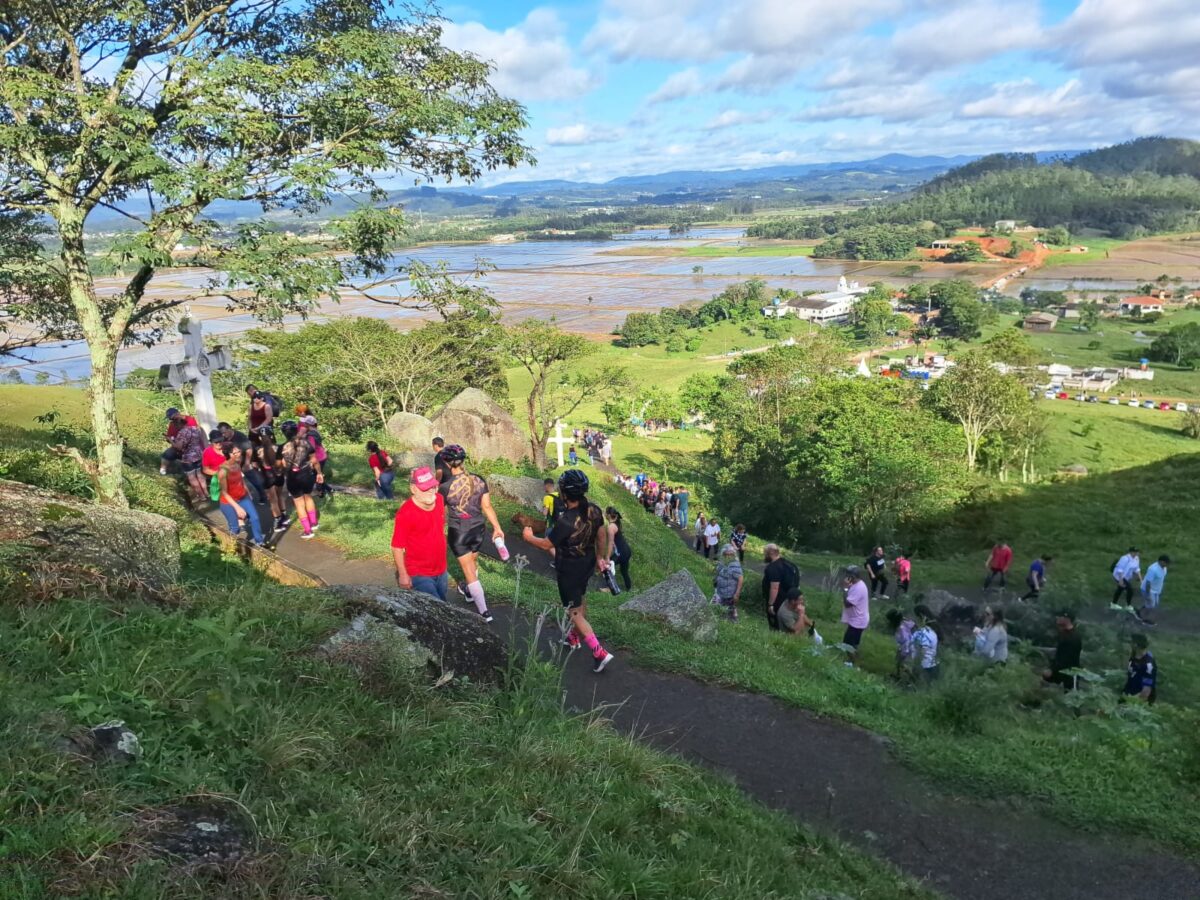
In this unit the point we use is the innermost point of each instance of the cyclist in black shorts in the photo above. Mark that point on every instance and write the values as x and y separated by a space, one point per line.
302 473
579 540
264 457
468 512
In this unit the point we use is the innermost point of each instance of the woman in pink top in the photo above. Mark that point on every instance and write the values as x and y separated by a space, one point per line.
903 569
856 613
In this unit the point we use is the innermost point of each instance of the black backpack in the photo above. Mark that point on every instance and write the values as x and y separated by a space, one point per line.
273 402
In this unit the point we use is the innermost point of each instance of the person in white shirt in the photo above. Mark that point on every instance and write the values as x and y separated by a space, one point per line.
1152 586
1127 573
991 640
712 536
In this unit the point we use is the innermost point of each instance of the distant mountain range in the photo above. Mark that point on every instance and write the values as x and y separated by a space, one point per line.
889 173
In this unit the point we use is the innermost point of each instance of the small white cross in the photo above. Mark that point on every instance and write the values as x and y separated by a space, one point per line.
559 440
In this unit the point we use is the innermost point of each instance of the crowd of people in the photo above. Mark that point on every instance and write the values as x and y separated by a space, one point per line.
241 471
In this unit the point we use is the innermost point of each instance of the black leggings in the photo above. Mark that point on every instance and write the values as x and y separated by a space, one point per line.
880 583
1125 586
623 568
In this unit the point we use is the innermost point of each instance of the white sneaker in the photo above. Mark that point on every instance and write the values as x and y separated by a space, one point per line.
599 664
1115 607
1129 609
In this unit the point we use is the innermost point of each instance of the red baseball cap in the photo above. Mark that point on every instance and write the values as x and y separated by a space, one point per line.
424 479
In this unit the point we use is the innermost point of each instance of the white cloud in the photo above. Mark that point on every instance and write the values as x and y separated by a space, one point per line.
1025 99
732 118
580 134
684 83
533 60
1156 34
968 33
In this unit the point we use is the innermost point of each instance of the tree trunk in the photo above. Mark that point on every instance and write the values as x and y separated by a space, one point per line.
102 349
537 449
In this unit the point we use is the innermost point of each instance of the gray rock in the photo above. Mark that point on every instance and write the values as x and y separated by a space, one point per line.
679 604
197 836
44 527
367 635
940 602
107 742
411 432
456 639
1074 469
482 426
520 489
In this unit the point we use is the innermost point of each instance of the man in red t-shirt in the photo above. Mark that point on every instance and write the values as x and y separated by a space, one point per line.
419 537
998 562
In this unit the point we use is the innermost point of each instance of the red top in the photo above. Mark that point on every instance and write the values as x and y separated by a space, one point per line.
258 416
235 484
212 458
376 463
173 428
1001 557
422 535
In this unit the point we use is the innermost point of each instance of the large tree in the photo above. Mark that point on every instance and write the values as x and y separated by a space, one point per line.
156 109
979 398
561 376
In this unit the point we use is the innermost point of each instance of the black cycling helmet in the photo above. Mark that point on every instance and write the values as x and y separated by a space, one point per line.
573 484
454 454
289 429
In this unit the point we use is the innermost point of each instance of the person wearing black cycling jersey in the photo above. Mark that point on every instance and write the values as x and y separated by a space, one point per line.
468 513
302 473
580 542
265 457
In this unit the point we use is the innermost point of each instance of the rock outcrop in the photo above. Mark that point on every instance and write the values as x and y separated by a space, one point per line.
411 432
472 419
451 639
679 604
41 527
519 489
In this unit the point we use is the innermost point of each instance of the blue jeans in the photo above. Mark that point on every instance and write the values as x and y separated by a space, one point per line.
683 514
231 517
434 585
383 487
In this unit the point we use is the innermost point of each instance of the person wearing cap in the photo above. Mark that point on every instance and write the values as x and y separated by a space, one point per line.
189 444
1126 573
1066 652
419 537
1152 585
1142 674
174 423
308 425
856 612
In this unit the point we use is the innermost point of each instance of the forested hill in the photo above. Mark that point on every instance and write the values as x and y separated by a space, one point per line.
1146 186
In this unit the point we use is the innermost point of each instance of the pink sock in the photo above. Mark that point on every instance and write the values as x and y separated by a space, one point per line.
475 589
593 644
307 527
312 518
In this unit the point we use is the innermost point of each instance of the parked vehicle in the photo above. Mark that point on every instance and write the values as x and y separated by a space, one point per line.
1113 401
1134 404
1063 395
1049 395
1164 406
1181 407
1092 398
1147 404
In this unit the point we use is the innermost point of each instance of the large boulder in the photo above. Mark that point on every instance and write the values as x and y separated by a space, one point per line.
452 639
482 426
41 527
519 489
411 432
679 604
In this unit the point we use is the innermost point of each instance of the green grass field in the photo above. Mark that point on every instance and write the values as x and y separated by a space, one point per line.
1098 248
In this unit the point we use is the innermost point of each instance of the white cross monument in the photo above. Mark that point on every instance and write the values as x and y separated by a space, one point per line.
559 441
195 369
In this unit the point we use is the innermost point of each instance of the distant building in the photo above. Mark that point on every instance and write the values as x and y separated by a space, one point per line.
1143 305
830 306
1005 225
947 244
1040 321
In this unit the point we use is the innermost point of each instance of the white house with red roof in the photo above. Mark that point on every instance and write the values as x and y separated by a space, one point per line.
1143 305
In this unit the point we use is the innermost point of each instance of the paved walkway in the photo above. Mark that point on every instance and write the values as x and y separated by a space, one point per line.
831 776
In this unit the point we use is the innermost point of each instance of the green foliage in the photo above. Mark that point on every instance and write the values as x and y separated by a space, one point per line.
967 251
963 314
1011 347
1191 422
870 242
1180 345
737 303
979 398
1058 236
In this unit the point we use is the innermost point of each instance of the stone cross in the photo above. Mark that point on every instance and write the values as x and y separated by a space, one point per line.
196 369
559 441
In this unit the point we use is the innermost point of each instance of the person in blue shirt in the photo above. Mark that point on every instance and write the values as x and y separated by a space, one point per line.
1142 679
1152 585
1036 579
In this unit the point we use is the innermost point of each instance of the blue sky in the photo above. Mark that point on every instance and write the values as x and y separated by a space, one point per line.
619 87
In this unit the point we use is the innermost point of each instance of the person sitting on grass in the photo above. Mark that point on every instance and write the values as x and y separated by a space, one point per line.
902 627
1142 678
793 616
991 639
1066 652
925 640
728 581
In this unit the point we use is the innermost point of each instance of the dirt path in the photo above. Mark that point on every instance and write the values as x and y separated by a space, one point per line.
828 775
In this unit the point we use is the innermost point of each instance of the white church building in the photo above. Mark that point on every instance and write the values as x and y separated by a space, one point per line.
830 306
